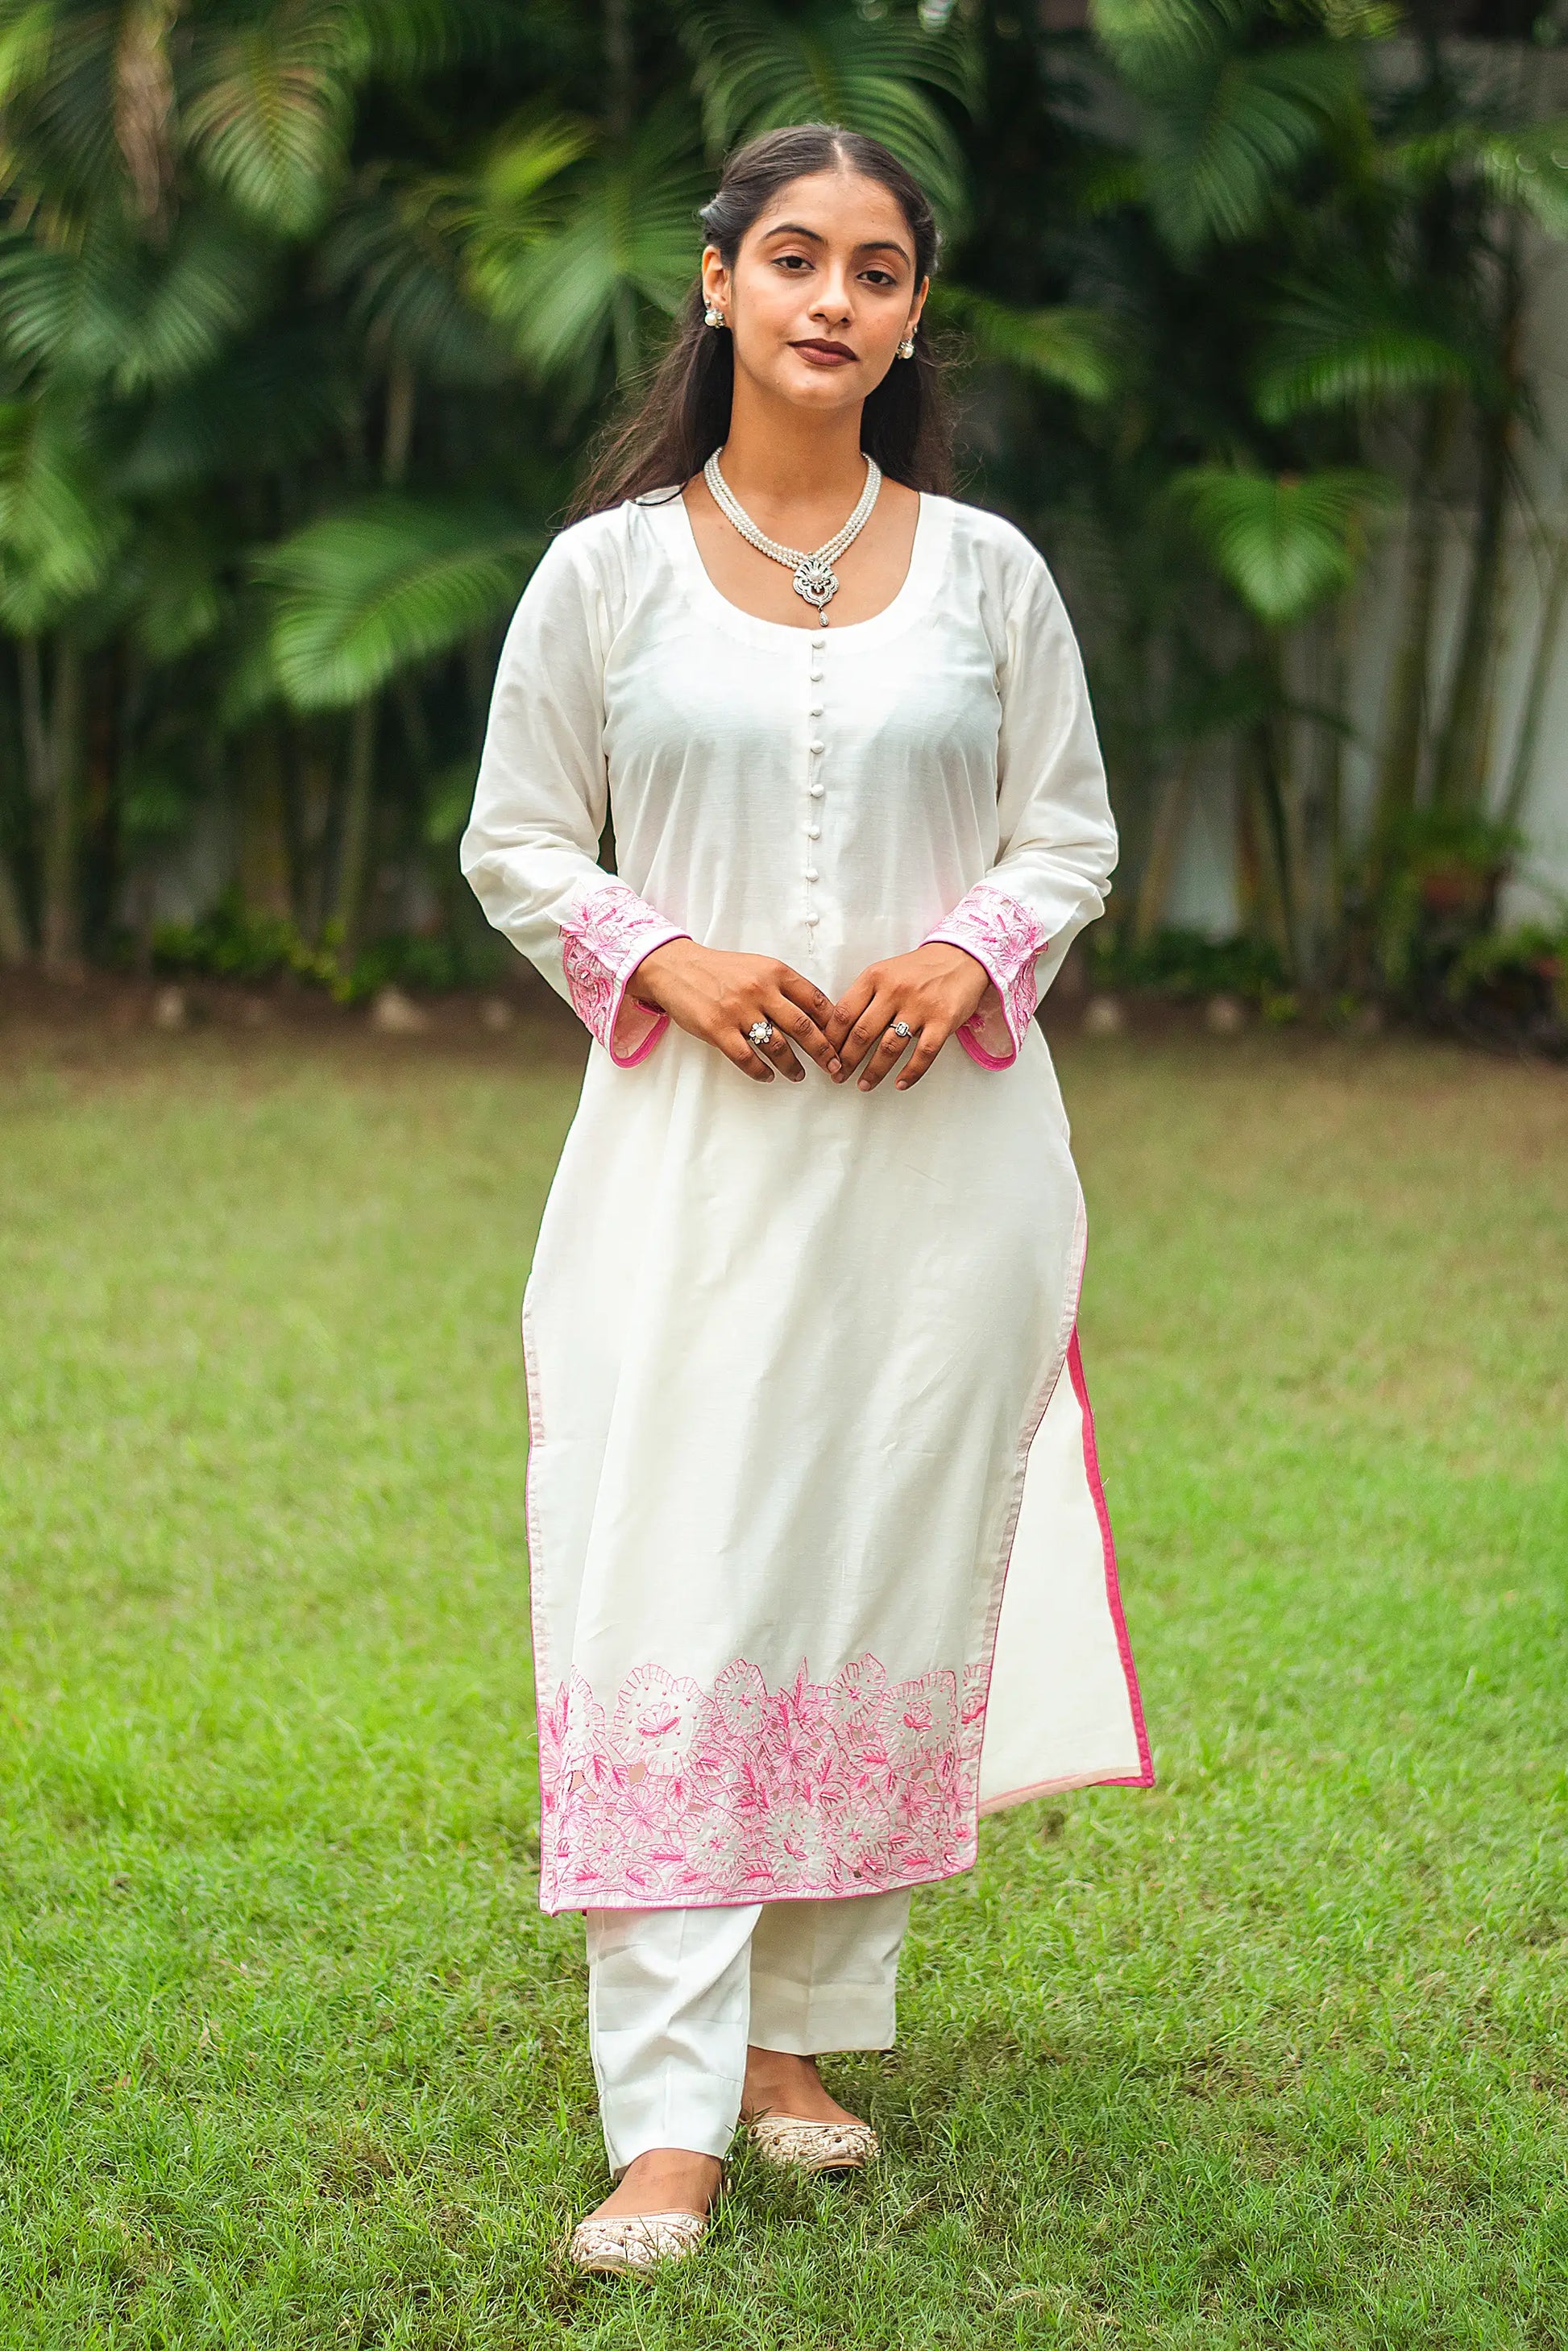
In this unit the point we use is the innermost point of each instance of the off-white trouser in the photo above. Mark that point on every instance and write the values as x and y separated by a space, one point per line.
676 1996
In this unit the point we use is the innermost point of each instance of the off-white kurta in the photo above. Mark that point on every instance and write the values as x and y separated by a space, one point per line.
820 1561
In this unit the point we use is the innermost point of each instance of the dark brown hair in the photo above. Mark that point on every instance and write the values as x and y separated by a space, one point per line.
682 415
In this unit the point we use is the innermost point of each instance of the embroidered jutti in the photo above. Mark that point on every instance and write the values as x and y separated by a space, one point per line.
820 1562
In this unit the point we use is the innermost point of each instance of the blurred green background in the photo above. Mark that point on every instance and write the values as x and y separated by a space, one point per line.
308 310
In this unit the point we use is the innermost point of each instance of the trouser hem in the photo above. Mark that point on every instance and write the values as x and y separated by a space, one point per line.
806 2021
688 2109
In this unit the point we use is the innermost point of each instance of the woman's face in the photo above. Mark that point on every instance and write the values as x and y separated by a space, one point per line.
822 292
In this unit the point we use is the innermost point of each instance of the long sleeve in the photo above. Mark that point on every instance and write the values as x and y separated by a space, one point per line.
531 851
1057 838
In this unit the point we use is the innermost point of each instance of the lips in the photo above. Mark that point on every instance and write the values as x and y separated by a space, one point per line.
836 353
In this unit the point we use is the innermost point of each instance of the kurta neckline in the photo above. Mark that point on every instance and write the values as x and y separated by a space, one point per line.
933 530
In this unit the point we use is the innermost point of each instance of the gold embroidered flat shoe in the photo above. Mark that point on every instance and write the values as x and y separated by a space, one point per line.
798 2145
637 2241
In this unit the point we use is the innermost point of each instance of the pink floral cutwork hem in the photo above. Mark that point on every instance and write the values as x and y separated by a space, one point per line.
603 939
679 1795
1005 938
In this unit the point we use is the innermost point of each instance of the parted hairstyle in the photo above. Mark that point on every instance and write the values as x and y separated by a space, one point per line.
683 415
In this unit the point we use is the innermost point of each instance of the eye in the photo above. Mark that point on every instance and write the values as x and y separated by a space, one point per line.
794 262
879 277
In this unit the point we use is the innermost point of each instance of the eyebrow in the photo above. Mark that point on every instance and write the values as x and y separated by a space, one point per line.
871 244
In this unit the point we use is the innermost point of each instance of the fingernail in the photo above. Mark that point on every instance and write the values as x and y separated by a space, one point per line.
865 1085
836 1067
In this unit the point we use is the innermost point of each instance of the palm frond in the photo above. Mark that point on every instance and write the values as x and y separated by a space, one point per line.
513 204
173 310
1224 135
174 587
1529 168
59 530
401 40
758 68
628 238
26 43
119 311
1076 348
268 112
1349 341
1151 40
393 250
267 404
1283 544
360 595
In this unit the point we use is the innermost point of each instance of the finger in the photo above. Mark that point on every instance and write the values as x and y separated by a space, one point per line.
805 1031
890 1049
777 1050
928 1044
734 1048
867 1033
808 996
848 1010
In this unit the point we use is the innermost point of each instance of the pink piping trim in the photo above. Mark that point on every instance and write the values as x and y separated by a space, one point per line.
1037 1412
661 1019
1144 1777
976 1052
543 1679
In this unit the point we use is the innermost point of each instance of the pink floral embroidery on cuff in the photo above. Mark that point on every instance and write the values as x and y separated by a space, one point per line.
1005 938
603 939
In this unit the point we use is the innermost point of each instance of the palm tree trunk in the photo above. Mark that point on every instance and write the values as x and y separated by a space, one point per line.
1400 766
61 923
1459 776
15 951
620 68
353 850
399 435
1522 768
1171 798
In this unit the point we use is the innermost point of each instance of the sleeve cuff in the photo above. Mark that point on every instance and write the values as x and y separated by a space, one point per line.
1006 939
603 939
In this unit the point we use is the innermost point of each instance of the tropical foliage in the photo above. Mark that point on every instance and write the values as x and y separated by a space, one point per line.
309 307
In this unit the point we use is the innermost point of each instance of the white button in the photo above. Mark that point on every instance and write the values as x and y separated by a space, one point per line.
813 919
815 749
817 643
810 873
813 833
817 790
815 711
816 676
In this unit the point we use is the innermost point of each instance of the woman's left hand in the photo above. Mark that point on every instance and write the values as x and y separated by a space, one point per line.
933 991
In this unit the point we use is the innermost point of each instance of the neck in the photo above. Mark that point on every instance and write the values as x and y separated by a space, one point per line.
776 454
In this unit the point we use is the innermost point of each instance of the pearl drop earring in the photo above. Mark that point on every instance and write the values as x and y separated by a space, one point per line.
713 316
907 347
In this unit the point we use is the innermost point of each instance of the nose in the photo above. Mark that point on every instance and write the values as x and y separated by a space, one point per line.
833 305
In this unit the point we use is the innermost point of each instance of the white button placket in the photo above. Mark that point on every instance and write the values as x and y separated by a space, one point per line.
815 788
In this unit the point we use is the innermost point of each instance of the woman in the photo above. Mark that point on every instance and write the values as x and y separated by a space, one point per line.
820 1566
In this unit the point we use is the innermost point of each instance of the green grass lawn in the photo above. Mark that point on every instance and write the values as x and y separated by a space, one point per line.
1271 2057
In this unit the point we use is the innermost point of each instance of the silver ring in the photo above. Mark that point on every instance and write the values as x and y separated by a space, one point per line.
901 1028
760 1033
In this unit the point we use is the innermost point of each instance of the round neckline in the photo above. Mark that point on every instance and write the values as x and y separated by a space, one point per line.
933 524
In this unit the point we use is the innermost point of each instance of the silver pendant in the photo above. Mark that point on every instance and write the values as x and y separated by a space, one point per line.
817 581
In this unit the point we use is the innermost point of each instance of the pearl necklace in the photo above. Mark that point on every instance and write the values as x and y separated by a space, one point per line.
815 580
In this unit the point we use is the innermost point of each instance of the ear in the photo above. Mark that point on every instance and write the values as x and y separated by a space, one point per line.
715 278
918 305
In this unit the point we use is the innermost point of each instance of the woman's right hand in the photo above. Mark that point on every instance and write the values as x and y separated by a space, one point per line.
717 997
